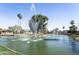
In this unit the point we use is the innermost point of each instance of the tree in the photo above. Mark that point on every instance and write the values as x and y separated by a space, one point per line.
72 22
63 27
20 18
42 21
1 30
15 29
73 28
56 30
10 28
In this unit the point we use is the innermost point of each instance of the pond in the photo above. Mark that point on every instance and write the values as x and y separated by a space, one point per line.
51 45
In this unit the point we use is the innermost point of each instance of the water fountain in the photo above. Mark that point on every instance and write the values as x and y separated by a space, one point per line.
34 24
34 27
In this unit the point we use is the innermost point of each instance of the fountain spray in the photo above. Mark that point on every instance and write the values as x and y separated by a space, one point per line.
34 24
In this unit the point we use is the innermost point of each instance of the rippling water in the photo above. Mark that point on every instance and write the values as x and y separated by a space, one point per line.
51 45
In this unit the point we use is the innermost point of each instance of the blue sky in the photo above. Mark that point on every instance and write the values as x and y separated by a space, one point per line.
59 15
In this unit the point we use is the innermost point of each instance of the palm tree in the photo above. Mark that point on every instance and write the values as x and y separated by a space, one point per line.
20 18
63 29
72 22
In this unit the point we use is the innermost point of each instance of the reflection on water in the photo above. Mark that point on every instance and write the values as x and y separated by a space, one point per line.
53 45
75 46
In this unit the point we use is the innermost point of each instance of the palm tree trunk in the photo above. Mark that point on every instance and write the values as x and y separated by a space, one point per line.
20 22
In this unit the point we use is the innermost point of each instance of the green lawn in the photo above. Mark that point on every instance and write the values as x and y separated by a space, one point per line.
75 37
6 51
